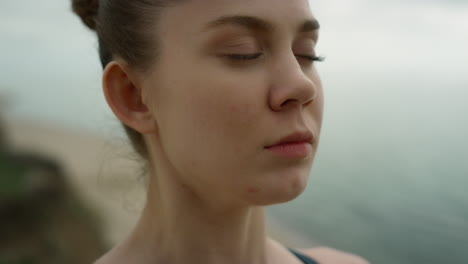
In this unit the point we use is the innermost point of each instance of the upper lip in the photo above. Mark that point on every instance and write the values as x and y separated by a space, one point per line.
296 137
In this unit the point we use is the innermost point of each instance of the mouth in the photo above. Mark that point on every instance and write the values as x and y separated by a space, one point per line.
297 145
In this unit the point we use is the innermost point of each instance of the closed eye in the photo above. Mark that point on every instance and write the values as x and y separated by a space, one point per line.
242 57
311 58
246 57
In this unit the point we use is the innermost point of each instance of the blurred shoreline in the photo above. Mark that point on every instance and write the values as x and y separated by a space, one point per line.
102 171
86 159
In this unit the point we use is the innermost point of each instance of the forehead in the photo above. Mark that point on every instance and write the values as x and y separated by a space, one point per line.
192 16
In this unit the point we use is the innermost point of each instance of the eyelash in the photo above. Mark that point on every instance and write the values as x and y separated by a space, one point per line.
312 58
246 57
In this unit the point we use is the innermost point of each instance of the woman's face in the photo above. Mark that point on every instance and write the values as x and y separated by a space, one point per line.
232 79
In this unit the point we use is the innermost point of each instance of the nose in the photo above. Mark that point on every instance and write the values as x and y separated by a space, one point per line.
291 85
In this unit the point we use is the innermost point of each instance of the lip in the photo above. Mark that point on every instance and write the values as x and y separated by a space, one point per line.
297 145
296 137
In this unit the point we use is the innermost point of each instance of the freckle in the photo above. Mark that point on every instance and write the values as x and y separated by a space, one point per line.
252 190
234 108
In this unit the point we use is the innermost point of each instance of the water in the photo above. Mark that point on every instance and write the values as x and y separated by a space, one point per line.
389 182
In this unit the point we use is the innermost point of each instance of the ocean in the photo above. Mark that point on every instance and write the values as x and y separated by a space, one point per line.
390 179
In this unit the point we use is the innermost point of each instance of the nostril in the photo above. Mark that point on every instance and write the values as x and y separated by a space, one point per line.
287 102
308 103
294 102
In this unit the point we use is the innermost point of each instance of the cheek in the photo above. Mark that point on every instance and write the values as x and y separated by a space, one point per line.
224 112
316 109
209 119
229 101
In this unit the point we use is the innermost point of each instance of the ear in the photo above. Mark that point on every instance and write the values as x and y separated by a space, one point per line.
124 96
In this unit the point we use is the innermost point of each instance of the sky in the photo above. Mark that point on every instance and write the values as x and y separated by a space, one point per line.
50 70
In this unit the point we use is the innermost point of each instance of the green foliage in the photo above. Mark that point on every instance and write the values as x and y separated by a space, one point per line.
42 219
16 260
13 183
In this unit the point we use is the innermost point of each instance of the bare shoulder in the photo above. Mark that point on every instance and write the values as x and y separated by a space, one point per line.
325 255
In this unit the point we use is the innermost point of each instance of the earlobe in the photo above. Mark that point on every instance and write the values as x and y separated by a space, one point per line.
124 96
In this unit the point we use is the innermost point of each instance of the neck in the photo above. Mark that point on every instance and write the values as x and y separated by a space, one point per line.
178 227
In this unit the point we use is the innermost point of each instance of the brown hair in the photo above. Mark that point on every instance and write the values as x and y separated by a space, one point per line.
125 29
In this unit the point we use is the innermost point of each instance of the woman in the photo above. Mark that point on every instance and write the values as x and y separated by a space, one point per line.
222 100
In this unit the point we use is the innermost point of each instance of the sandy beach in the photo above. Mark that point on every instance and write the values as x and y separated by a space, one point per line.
106 183
102 171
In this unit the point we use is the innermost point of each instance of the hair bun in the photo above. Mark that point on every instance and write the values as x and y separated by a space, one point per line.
87 10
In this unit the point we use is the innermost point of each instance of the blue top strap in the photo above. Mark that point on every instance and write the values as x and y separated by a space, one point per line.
303 258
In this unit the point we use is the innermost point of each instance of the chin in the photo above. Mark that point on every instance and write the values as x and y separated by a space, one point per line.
287 188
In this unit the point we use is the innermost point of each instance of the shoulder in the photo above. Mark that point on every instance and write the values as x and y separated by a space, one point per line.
325 255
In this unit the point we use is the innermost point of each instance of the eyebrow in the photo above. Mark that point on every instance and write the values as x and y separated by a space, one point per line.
258 24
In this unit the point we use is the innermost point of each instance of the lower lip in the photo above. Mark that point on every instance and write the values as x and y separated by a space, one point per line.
297 150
